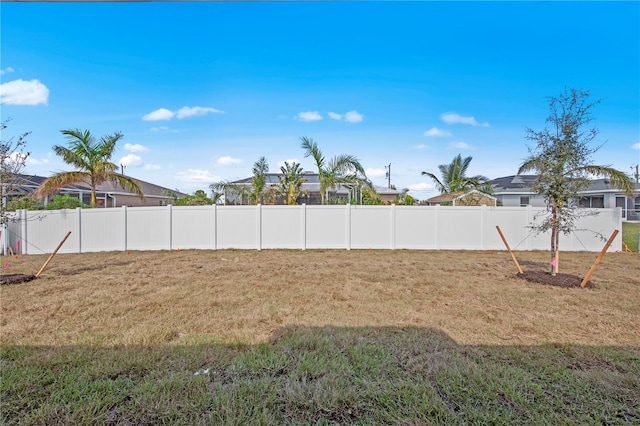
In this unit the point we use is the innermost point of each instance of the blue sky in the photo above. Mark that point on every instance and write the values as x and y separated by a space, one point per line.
202 90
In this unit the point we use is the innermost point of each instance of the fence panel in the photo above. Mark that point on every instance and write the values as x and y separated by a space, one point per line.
237 227
416 227
371 227
149 228
301 227
102 229
193 227
460 228
327 227
281 227
42 231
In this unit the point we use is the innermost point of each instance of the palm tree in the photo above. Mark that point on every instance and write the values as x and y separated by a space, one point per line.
92 159
291 181
340 169
259 181
454 177
256 192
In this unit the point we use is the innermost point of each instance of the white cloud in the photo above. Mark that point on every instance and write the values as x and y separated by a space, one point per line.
453 118
353 117
308 116
460 145
435 132
20 92
35 161
197 176
422 186
228 161
152 167
159 114
131 160
186 111
135 147
7 70
159 129
635 146
422 146
335 116
374 173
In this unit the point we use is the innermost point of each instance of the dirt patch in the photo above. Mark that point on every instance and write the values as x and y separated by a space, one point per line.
244 296
558 280
15 279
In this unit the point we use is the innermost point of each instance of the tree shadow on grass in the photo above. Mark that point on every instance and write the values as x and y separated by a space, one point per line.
328 375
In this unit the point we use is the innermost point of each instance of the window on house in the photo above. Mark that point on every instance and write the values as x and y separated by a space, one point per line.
524 201
592 202
163 203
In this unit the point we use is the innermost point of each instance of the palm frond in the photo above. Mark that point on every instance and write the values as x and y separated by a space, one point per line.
58 181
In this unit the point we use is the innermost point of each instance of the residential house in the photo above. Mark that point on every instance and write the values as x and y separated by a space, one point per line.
310 190
471 197
516 191
108 194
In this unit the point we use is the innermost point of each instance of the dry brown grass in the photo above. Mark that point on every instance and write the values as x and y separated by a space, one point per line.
185 297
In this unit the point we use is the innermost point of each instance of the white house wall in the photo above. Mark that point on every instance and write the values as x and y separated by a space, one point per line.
302 227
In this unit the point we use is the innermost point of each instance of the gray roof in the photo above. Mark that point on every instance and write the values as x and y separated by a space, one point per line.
149 189
521 184
312 184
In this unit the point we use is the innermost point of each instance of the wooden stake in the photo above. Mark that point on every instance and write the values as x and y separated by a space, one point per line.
600 256
504 240
10 250
53 254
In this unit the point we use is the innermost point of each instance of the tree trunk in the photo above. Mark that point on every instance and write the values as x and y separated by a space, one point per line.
94 202
554 243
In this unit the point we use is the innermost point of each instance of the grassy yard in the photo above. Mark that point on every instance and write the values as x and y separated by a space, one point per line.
318 337
630 233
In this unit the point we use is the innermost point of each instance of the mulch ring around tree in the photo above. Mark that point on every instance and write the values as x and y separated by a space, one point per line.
15 279
559 280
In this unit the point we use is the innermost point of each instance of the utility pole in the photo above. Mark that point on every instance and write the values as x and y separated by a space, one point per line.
636 174
122 167
388 176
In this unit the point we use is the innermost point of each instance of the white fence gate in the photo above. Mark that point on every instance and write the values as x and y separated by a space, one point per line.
300 227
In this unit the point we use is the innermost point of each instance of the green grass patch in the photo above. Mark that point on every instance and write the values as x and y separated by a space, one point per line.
630 231
322 376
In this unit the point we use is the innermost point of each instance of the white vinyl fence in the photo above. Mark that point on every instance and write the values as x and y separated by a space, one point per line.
299 227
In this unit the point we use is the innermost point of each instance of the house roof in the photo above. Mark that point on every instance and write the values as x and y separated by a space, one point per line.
452 196
520 184
312 184
149 189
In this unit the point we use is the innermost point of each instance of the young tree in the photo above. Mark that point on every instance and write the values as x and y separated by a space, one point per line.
199 198
290 182
92 158
340 169
13 159
561 158
256 193
454 177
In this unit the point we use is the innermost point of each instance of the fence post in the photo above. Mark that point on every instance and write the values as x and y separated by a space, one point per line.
259 226
215 226
348 226
303 238
483 212
23 237
124 218
170 213
393 226
529 215
79 212
436 227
